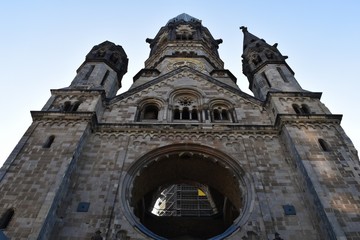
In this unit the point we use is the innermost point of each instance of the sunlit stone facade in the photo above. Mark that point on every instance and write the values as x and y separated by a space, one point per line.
95 165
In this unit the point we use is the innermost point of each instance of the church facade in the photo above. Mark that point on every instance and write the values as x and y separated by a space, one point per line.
184 153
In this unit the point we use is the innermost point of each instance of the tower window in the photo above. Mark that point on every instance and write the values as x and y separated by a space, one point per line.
324 145
256 59
75 106
305 109
297 109
282 74
89 72
266 79
6 218
104 78
67 106
49 141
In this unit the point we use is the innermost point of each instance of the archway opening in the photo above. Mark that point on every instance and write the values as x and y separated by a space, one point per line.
186 195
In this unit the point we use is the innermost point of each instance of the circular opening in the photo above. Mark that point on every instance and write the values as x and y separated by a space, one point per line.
186 195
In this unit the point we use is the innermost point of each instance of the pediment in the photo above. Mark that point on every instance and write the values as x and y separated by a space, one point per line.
204 94
187 77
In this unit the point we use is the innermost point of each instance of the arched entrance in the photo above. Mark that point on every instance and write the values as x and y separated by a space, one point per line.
210 200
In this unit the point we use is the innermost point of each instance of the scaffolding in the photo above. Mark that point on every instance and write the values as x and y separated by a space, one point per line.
182 200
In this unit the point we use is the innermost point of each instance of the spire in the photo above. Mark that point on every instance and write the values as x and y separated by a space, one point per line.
265 67
248 37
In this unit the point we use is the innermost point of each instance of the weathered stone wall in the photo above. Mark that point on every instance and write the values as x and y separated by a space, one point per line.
36 178
107 155
329 179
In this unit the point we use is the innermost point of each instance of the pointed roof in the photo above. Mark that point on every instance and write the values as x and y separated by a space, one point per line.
248 37
183 17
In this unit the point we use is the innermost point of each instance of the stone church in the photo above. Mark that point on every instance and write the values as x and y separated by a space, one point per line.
184 153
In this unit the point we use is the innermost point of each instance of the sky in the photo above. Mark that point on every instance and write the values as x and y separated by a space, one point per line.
43 43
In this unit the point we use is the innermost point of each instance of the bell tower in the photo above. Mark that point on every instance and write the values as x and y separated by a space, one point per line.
266 68
103 69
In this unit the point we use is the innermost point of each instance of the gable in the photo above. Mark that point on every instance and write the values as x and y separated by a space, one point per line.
205 92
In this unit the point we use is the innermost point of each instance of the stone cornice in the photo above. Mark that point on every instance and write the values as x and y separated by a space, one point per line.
316 95
282 119
60 116
198 129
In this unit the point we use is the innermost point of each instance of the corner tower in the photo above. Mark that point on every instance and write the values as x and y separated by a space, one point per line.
266 68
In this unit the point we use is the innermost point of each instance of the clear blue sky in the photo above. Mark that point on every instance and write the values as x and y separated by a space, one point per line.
43 43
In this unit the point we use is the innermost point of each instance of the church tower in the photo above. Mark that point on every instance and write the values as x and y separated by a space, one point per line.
184 153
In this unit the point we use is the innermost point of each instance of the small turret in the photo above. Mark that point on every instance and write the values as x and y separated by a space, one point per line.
265 67
103 69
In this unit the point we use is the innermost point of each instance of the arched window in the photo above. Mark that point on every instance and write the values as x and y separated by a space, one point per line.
305 109
121 235
67 106
49 141
324 145
297 109
220 112
185 107
6 218
194 114
176 113
75 106
185 113
217 114
151 112
224 114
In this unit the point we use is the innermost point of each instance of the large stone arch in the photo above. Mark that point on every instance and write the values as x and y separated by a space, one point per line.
188 163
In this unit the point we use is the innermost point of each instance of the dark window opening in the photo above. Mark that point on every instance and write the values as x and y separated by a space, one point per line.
216 114
184 37
83 207
224 114
297 109
67 106
176 113
185 113
75 106
324 145
256 60
49 141
305 109
6 218
151 112
194 114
